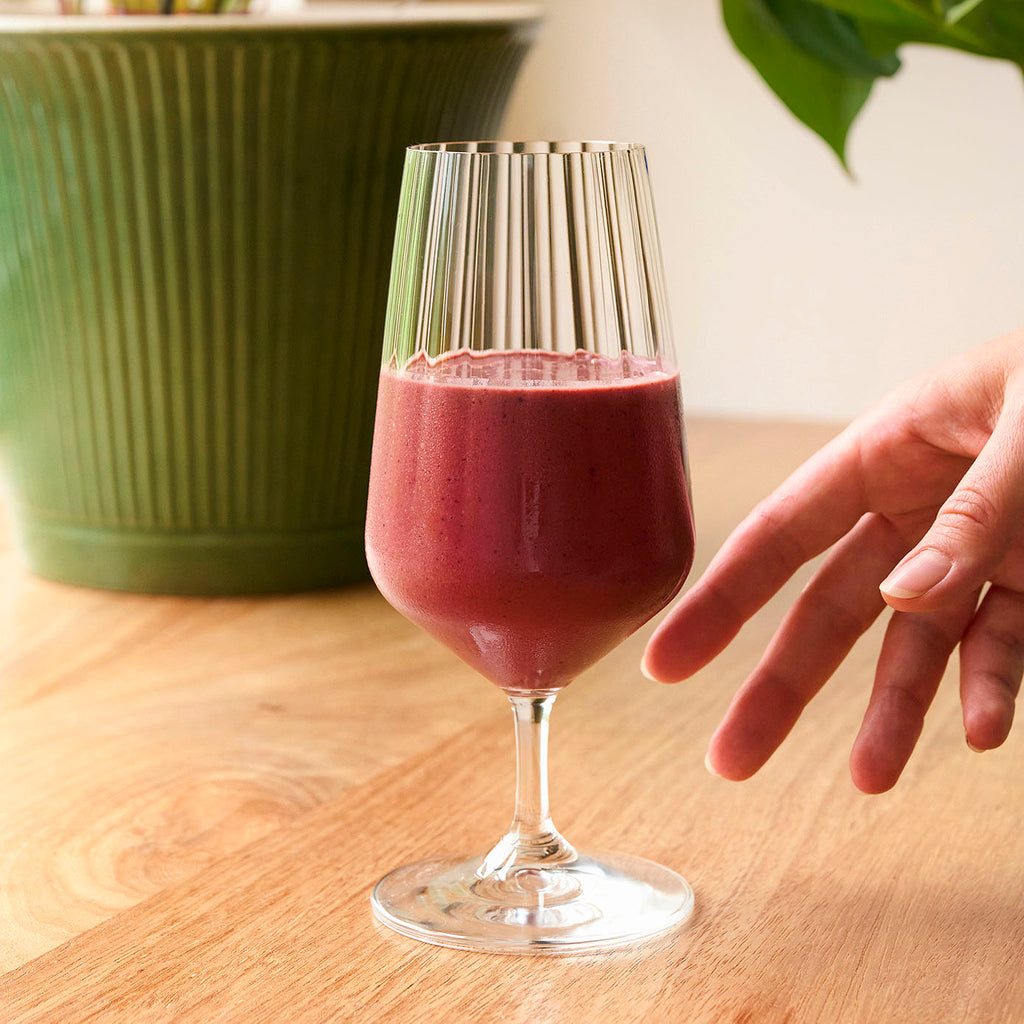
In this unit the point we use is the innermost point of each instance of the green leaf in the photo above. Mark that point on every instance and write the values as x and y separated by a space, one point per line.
826 98
974 26
832 37
999 25
822 56
904 13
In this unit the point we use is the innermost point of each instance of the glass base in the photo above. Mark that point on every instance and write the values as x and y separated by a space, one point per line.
592 904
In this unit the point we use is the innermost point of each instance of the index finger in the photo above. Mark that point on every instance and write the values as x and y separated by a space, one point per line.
815 506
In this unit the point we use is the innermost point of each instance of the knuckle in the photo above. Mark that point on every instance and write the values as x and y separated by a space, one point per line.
768 519
901 701
785 694
1002 680
968 510
765 515
843 622
1010 642
936 637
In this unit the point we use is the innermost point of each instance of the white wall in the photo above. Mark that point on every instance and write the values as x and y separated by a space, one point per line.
795 291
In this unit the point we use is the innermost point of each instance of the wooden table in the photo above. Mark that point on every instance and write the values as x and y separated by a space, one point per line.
197 795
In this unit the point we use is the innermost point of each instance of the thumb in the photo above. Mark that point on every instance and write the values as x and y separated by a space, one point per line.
972 531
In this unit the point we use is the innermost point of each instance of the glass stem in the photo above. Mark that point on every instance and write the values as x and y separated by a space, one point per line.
532 841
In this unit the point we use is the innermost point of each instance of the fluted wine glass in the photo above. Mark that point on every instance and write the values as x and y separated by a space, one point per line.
529 499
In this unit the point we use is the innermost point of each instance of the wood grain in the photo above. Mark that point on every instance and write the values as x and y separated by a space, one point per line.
198 795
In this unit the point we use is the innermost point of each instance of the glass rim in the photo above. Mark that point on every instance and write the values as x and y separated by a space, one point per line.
526 147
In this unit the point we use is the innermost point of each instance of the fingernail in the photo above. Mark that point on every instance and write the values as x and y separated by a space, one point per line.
709 766
645 670
917 575
977 750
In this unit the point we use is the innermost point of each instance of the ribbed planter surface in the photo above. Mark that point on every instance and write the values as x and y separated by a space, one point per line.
195 240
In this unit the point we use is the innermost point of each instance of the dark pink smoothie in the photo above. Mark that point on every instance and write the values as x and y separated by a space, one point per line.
529 509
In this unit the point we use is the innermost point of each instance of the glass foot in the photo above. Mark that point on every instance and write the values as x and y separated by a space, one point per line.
591 904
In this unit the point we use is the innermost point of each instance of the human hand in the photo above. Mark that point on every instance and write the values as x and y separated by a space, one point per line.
919 503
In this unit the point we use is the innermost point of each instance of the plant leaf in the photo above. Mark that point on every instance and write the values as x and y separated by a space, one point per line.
893 12
975 26
999 24
822 56
832 37
824 97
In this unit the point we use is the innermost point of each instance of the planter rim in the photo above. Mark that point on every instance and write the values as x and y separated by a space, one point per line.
355 14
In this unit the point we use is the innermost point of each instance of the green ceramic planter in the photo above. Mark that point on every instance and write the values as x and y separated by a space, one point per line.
196 218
